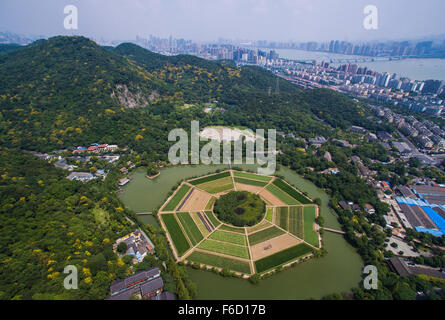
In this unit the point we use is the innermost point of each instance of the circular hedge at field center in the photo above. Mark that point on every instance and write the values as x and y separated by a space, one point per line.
240 208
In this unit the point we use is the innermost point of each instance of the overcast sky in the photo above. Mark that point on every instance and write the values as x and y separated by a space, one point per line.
207 20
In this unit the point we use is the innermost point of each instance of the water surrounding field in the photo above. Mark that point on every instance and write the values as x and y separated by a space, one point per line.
416 69
338 271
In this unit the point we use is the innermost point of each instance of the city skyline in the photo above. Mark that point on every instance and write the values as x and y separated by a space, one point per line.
200 20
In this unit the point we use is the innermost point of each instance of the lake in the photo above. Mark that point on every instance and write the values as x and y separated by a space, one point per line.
338 271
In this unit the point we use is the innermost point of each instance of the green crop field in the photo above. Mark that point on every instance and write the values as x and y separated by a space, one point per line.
174 201
283 196
291 191
217 186
210 178
282 257
225 248
199 224
269 215
264 235
229 228
250 182
229 237
282 217
212 218
190 227
261 225
310 235
220 262
179 240
210 204
296 221
251 176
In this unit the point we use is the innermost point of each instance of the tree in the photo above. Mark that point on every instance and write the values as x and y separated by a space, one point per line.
122 247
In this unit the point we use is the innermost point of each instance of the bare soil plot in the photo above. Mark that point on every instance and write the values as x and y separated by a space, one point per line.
197 201
272 199
272 246
248 188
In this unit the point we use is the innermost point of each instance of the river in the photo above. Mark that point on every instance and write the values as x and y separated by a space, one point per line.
415 69
338 271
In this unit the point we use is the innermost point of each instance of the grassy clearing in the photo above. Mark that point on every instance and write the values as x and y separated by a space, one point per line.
251 176
250 182
210 178
269 215
296 218
179 240
217 186
264 235
210 204
310 235
225 227
229 237
280 194
291 191
282 218
174 201
282 257
220 262
225 248
190 227
212 218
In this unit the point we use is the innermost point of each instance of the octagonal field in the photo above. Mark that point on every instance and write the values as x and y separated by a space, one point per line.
284 231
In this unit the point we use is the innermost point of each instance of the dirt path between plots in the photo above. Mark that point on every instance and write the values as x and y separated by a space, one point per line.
197 201
273 200
272 246
249 188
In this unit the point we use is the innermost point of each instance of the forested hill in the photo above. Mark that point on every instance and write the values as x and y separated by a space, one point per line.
69 91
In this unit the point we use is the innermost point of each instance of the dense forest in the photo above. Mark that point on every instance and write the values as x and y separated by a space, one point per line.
68 91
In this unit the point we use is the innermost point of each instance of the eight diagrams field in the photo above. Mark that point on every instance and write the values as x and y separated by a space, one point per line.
287 232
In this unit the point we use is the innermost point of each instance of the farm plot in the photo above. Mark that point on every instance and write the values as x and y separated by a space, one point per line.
262 225
264 235
220 262
310 235
179 240
296 218
282 217
217 186
291 191
230 237
270 198
225 248
272 246
209 178
211 216
250 182
282 257
196 201
174 201
225 227
269 215
190 227
200 223
251 176
280 194
210 204
248 188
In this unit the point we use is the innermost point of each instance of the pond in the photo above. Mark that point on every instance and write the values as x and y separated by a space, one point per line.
338 271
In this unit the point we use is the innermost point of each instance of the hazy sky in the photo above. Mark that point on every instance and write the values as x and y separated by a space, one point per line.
207 20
